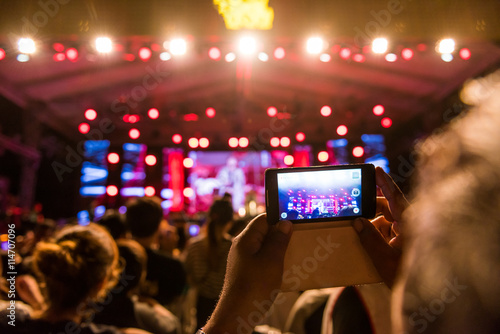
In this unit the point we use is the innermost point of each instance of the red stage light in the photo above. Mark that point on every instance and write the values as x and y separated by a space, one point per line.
233 142
153 113
133 119
145 53
210 112
150 160
177 138
285 141
72 54
465 53
378 110
134 133
279 53
243 142
188 162
59 57
275 142
193 142
58 47
129 57
191 117
421 47
204 142
386 122
359 58
149 191
126 118
342 130
288 160
2 54
391 57
272 111
358 151
84 128
113 158
300 136
345 53
214 53
326 111
90 114
407 54
112 190
188 192
323 156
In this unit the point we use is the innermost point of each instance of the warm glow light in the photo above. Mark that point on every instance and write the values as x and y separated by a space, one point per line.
465 53
325 57
204 142
188 162
407 53
59 47
345 53
177 46
230 57
150 160
26 45
243 142
391 57
214 53
2 53
177 138
380 45
315 45
275 142
145 53
386 122
323 156
378 110
247 45
153 113
447 57
59 57
446 45
263 57
285 141
72 54
188 192
103 45
359 58
300 136
358 151
112 190
326 111
272 111
342 130
133 119
279 53
90 114
165 56
134 133
193 142
113 158
288 160
210 112
84 128
22 58
149 191
233 142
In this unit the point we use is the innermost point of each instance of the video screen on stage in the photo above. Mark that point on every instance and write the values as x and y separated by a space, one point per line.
133 169
94 168
239 174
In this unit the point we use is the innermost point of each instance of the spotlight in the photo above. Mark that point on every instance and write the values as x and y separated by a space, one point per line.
233 142
407 53
193 142
391 57
165 56
315 45
188 162
150 160
358 151
247 45
188 192
288 160
72 54
378 110
103 45
178 46
325 57
58 47
26 45
149 191
177 138
380 45
204 142
22 58
84 128
145 53
285 141
90 114
359 58
59 57
272 111
275 142
447 57
113 158
210 112
112 190
153 113
345 53
230 57
300 136
279 53
243 142
323 156
2 53
326 111
134 133
214 53
386 122
342 130
263 57
446 45
464 54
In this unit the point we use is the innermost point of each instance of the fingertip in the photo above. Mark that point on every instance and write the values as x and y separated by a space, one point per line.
284 226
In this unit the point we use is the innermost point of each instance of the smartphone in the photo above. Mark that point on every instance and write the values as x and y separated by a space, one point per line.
320 193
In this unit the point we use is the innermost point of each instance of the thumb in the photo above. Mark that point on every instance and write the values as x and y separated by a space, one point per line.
276 241
384 257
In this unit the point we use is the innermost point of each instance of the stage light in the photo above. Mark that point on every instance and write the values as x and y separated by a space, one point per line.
447 57
247 45
188 162
386 122
126 118
233 142
446 45
26 45
300 136
279 53
22 58
421 47
194 230
178 46
153 113
90 114
122 209
325 57
323 156
149 191
326 111
134 133
145 53
272 111
167 193
111 190
103 45
359 58
358 151
72 54
391 57
58 47
188 192
113 158
193 142
345 53
133 119
84 128
288 160
210 112
285 141
407 53
243 142
378 110
214 53
380 45
128 57
263 57
204 142
275 142
342 130
59 57
165 56
177 138
150 160
230 57
315 45
465 53
2 54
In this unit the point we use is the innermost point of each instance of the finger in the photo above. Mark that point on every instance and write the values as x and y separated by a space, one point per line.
276 242
383 226
251 238
397 201
383 208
